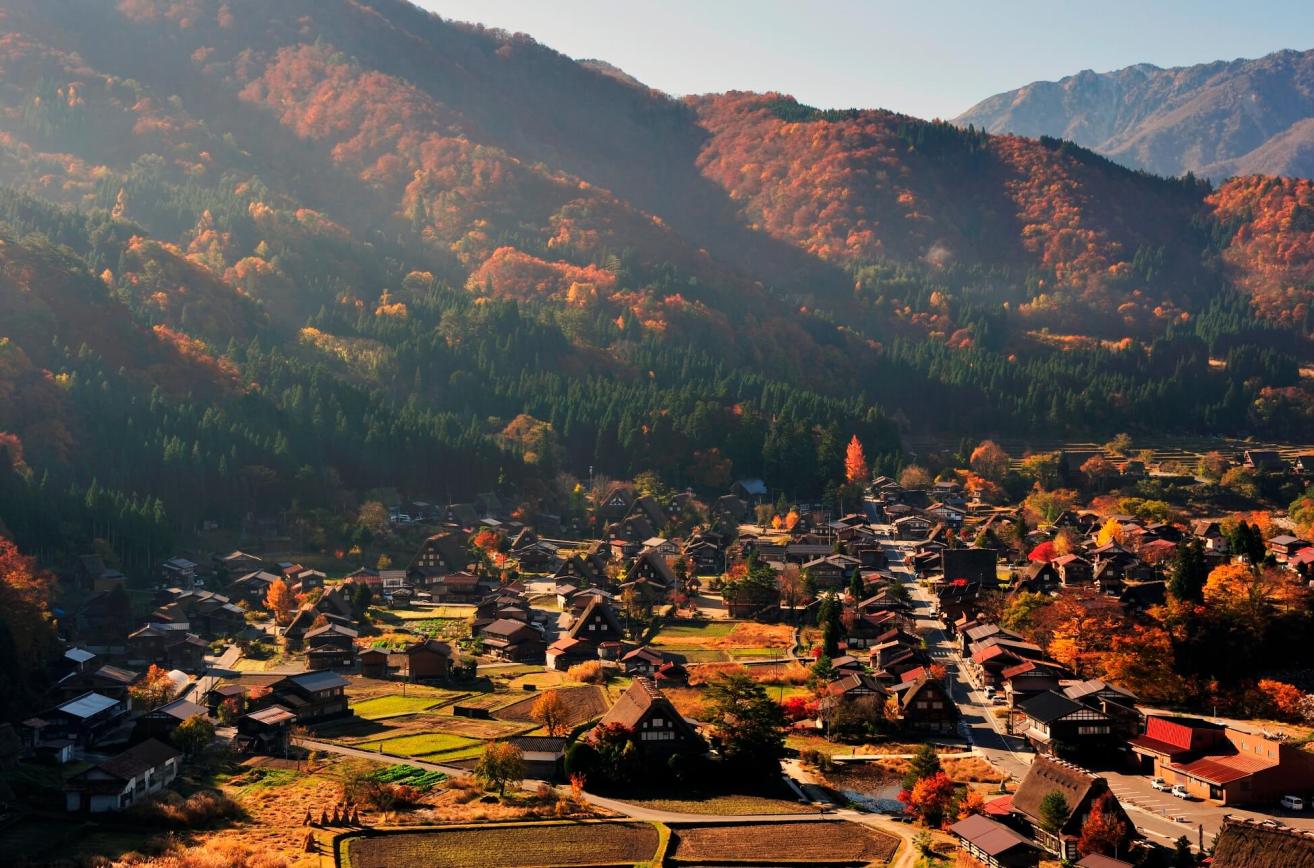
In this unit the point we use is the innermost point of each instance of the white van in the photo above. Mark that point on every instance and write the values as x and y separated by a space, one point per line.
1293 803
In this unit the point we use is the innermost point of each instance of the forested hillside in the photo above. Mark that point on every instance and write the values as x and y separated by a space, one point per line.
264 257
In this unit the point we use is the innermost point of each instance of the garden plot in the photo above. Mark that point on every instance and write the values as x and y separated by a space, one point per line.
777 842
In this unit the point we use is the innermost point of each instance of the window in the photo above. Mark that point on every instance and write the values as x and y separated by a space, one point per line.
1092 730
657 721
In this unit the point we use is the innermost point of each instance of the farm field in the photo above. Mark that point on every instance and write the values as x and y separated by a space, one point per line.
582 703
724 641
388 706
737 804
829 841
518 846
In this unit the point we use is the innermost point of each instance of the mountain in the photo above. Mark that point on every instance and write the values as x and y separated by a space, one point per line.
286 254
1239 117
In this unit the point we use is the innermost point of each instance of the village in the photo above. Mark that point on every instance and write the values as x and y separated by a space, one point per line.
925 671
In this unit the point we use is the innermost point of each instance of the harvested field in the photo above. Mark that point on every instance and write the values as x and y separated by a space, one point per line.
736 804
520 846
582 703
771 843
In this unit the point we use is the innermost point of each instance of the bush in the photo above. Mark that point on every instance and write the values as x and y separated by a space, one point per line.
590 672
199 810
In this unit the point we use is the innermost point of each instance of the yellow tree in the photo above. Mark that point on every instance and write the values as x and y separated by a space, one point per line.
279 600
855 463
550 710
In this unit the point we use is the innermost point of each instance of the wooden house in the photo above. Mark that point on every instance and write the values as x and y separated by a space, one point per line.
313 697
659 729
139 773
1080 790
926 707
1056 725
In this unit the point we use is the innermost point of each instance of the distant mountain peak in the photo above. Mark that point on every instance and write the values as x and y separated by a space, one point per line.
1218 119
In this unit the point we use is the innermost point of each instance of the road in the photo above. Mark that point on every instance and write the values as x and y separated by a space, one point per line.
1157 815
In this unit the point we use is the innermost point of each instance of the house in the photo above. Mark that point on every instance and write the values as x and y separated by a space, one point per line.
92 574
568 651
751 491
925 706
512 640
1264 461
651 576
978 565
616 503
1028 678
1284 546
1109 699
374 663
332 646
266 730
179 572
1245 843
459 587
597 623
912 527
729 510
1080 790
312 696
1223 764
994 844
1054 724
253 586
643 661
124 779
659 729
161 722
950 515
236 563
1074 570
111 681
853 687
428 659
439 554
82 720
219 694
541 754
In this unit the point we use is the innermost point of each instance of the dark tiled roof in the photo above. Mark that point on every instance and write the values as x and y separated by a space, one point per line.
135 760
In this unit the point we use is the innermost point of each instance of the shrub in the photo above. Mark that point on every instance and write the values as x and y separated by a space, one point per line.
590 672
199 810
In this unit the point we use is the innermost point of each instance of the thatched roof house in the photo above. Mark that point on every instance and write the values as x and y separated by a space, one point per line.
1247 843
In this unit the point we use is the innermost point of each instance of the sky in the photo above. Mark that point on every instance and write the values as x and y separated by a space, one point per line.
933 58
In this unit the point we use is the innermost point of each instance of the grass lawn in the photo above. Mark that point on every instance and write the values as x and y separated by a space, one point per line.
388 706
512 846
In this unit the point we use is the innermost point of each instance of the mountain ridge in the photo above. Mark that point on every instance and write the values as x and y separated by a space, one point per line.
1215 119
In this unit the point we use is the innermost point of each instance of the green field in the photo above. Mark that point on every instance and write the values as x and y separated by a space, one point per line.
430 745
693 632
388 706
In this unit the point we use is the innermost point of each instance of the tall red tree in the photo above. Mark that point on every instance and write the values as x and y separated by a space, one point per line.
855 463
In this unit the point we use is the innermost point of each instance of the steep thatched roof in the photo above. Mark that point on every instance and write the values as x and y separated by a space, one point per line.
1047 775
1247 844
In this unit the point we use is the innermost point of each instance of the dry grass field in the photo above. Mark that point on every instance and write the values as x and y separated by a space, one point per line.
518 846
803 842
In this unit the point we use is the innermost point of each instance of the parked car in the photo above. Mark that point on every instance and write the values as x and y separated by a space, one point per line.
1293 803
1180 792
999 700
1161 785
988 691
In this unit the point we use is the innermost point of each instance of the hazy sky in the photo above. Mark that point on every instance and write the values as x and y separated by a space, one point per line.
932 58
